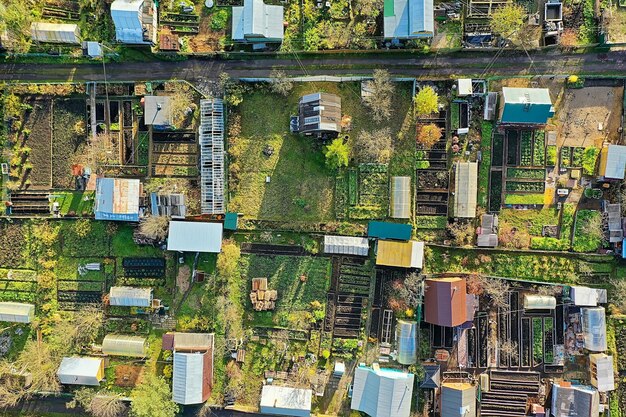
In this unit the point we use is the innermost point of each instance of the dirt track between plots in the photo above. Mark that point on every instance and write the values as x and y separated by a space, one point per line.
584 110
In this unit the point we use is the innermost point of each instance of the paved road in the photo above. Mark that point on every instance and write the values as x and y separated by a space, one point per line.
430 66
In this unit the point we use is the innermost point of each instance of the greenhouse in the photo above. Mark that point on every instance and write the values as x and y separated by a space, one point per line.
466 189
346 245
400 206
539 302
130 297
17 312
594 328
407 350
124 345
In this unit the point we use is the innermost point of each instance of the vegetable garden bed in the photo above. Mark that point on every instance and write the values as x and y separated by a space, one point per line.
524 199
498 149
526 173
495 190
525 186
67 140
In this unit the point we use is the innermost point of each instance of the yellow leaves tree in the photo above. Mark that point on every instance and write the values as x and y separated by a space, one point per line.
426 101
429 135
508 21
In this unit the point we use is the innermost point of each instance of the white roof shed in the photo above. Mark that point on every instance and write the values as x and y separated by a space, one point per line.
55 32
464 87
602 372
81 371
130 297
584 296
400 205
346 245
158 111
286 401
195 237
187 378
382 392
256 21
17 312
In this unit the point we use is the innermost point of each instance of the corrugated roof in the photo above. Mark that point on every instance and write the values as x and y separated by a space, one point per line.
195 237
16 312
193 341
400 195
257 20
408 254
117 199
405 19
127 18
55 32
388 230
456 397
602 372
278 399
526 105
445 301
466 189
526 95
153 115
346 245
188 378
576 400
124 345
382 392
130 296
319 112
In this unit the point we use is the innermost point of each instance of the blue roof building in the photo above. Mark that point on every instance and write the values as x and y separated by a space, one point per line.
408 19
526 106
387 230
117 199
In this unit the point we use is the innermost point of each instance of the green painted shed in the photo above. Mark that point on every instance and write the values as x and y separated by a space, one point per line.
230 221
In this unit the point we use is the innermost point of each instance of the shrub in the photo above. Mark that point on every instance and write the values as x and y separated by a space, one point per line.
337 154
219 20
549 243
590 156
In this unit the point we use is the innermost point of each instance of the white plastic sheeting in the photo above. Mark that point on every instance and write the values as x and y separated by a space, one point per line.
539 302
55 32
407 340
400 205
127 18
124 345
602 373
584 296
17 312
195 237
346 245
594 328
130 297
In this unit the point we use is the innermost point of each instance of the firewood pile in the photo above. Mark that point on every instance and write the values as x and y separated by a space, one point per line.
262 298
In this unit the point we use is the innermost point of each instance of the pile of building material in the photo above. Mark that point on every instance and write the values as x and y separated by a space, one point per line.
262 298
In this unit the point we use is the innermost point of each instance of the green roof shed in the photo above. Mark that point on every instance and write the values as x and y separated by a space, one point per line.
230 221
387 230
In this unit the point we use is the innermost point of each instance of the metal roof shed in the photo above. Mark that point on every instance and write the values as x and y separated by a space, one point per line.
594 328
400 254
602 372
382 392
55 32
117 199
195 237
466 189
388 230
158 111
407 340
464 87
346 245
256 21
458 399
445 301
125 345
400 195
408 19
286 401
526 106
17 312
192 377
193 342
81 371
584 296
613 162
574 400
539 302
130 297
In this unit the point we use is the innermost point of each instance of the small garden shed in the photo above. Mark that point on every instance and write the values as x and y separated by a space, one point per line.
124 345
613 162
17 312
117 199
346 245
407 340
400 205
81 371
458 399
602 373
130 297
526 106
388 230
195 237
408 254
381 392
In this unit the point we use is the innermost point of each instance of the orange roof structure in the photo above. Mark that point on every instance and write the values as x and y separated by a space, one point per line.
445 301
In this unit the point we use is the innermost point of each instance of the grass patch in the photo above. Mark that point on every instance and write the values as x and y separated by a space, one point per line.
76 201
588 233
122 244
524 199
431 222
530 220
485 163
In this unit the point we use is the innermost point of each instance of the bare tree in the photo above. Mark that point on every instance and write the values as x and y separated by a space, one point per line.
373 146
510 349
99 152
38 359
381 91
155 227
497 290
280 83
181 101
106 404
12 389
88 323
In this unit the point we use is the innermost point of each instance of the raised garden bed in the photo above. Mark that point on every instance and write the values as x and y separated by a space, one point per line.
539 148
495 190
498 149
512 142
551 155
524 199
526 148
526 173
68 141
525 187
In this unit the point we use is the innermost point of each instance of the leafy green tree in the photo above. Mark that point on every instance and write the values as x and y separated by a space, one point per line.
16 17
227 261
152 398
426 101
337 154
508 21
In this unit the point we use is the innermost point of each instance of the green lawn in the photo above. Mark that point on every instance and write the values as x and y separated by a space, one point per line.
283 273
301 187
75 201
529 220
